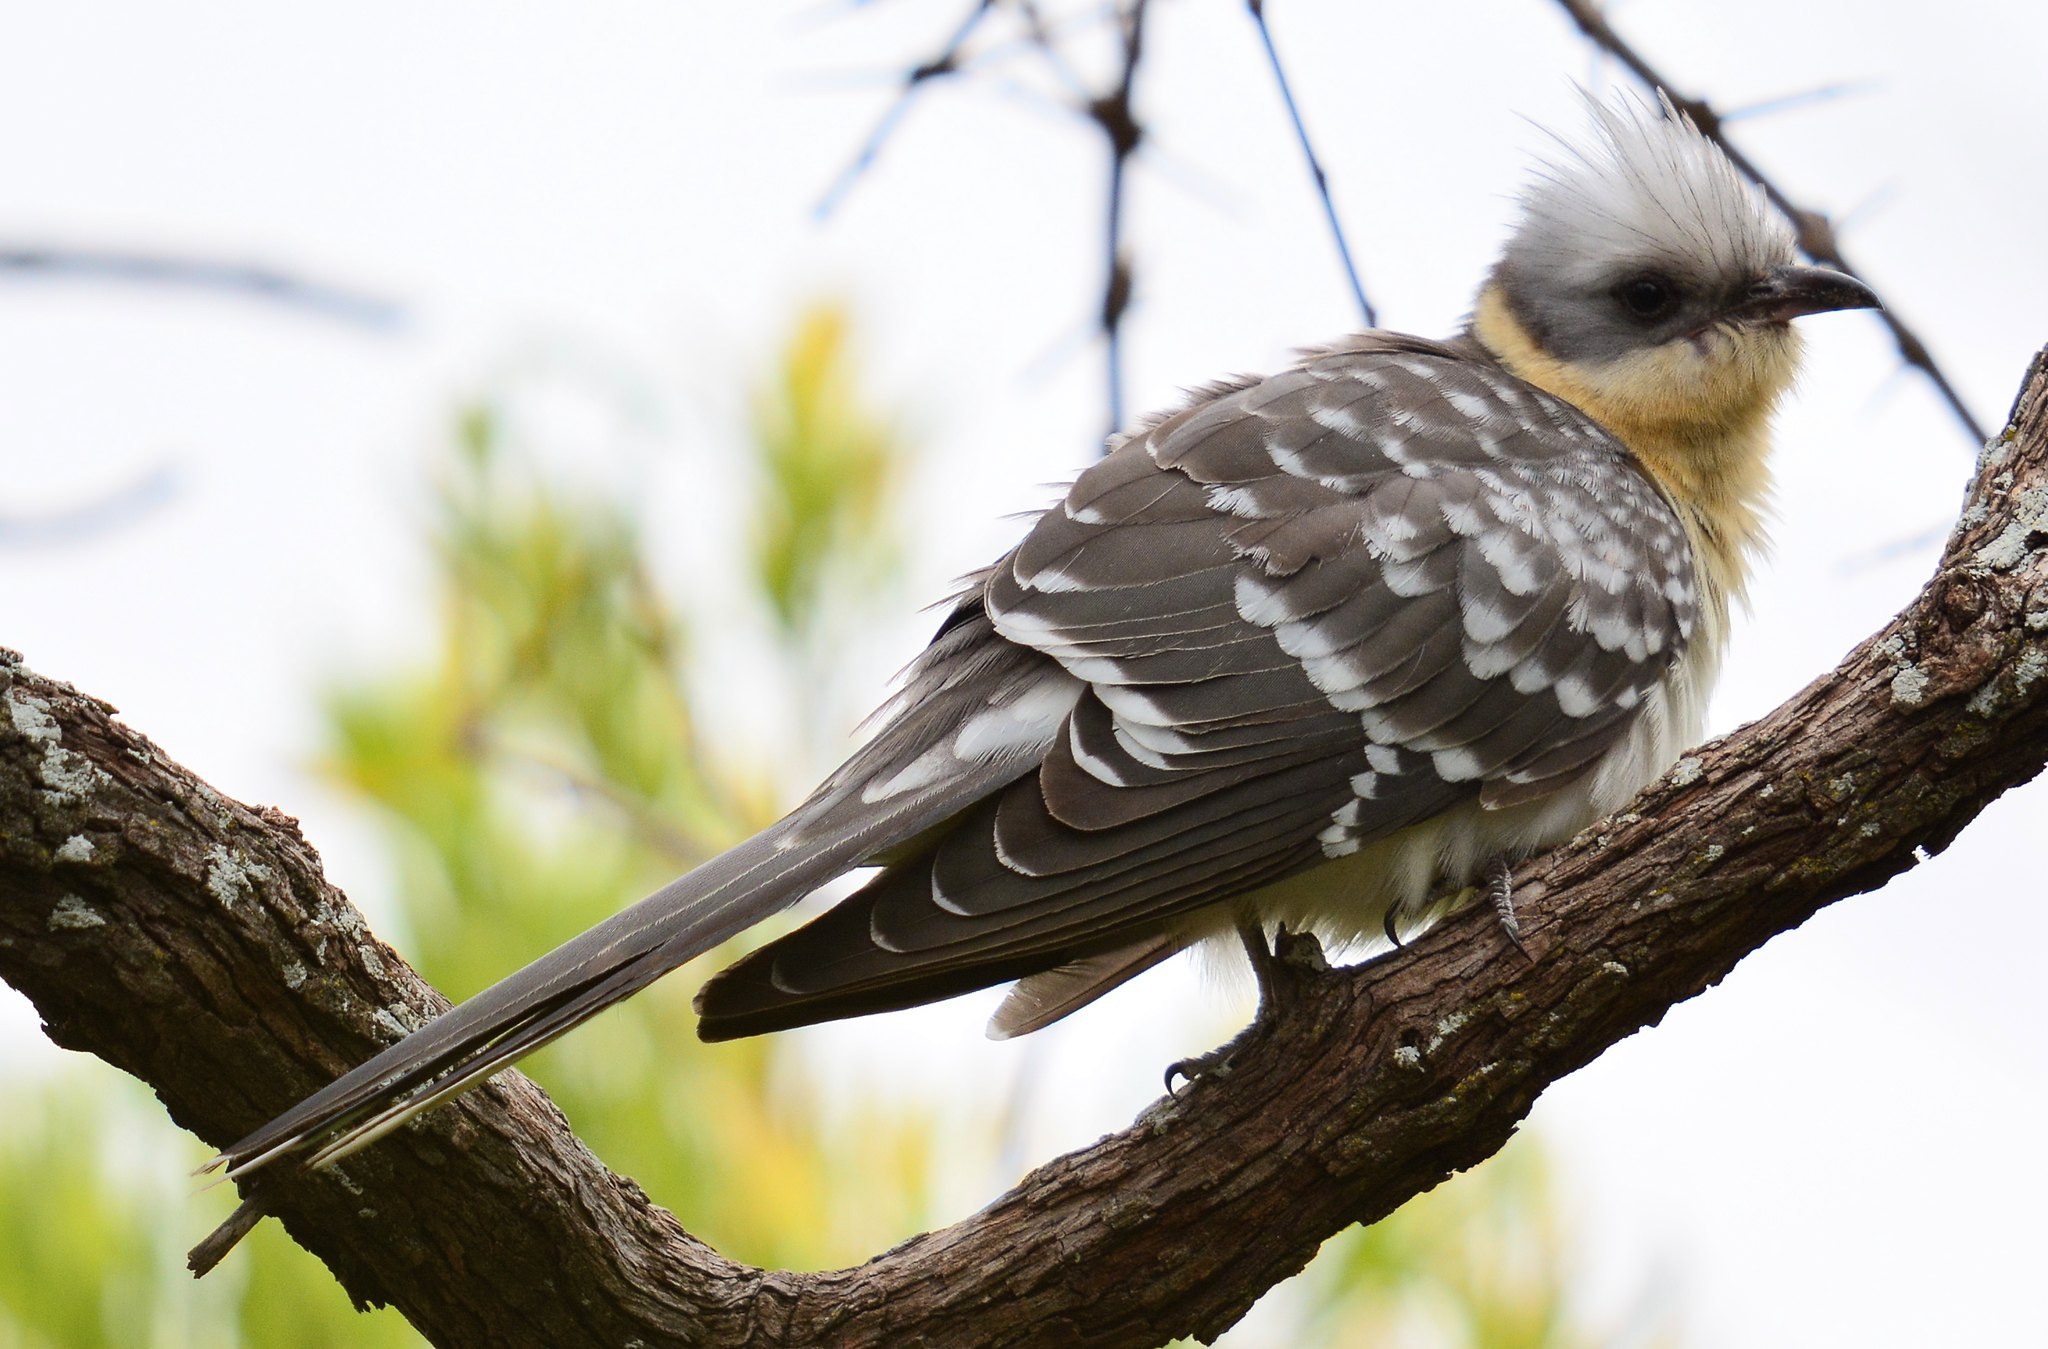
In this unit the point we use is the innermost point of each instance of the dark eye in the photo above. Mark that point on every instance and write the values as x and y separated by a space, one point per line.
1647 297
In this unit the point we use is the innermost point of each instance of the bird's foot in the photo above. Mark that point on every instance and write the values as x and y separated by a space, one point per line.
1275 967
1218 1062
1500 889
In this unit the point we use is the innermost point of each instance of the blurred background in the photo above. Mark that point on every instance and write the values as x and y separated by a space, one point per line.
460 426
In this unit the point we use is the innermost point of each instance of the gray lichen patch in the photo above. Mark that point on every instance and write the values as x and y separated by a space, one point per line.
1686 772
1994 696
2018 539
231 877
74 914
1445 1029
1985 701
31 717
2028 669
390 1019
1996 450
2034 613
77 849
1909 686
67 776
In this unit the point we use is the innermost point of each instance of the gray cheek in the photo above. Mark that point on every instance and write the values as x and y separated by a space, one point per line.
1579 323
1580 327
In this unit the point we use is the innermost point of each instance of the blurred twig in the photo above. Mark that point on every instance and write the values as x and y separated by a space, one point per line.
1110 112
1315 165
252 280
647 825
1113 114
1817 236
945 61
104 513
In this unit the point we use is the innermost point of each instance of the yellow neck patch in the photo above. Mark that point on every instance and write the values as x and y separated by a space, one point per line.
1696 415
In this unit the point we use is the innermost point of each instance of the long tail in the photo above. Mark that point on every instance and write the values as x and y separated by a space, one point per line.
591 972
548 998
976 713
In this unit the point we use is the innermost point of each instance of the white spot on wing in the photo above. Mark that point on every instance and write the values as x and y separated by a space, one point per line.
1575 696
1469 405
920 772
1455 765
1102 770
1483 622
1027 724
1242 502
1343 418
1131 705
1260 603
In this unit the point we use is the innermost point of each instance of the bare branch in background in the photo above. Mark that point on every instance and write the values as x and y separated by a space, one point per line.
101 515
250 280
1817 237
945 61
1315 165
1110 112
1114 115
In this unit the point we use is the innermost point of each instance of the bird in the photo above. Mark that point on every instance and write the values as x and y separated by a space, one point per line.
1313 649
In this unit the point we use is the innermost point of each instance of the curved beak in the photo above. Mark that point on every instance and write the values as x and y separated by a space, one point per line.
1795 291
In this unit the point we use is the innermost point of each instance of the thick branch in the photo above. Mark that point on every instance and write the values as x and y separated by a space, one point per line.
192 942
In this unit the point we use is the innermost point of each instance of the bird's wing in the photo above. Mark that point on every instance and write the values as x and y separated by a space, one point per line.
975 712
1309 611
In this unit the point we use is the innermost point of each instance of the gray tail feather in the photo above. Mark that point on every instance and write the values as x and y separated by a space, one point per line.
552 996
1038 1000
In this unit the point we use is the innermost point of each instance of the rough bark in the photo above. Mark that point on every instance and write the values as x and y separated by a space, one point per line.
192 941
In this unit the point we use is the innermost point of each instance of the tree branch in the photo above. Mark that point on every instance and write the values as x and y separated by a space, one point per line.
192 941
247 279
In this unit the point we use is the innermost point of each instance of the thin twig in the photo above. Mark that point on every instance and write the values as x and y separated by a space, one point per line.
1826 93
44 261
110 511
1120 127
647 825
946 61
1315 165
1817 237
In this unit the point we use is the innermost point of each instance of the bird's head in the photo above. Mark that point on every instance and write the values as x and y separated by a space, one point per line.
1648 283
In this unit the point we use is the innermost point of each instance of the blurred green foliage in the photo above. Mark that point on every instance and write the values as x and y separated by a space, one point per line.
541 767
1484 1261
831 467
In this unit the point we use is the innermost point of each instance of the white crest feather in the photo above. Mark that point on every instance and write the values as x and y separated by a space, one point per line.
1648 187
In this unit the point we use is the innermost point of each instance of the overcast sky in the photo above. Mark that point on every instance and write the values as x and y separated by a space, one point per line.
612 204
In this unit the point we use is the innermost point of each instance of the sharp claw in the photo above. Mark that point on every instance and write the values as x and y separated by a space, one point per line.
1265 964
1500 888
1217 1062
1393 933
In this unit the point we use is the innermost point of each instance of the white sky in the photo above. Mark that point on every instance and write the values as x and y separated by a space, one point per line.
1832 1148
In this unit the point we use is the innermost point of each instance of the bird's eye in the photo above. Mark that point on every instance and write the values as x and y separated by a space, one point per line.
1647 297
